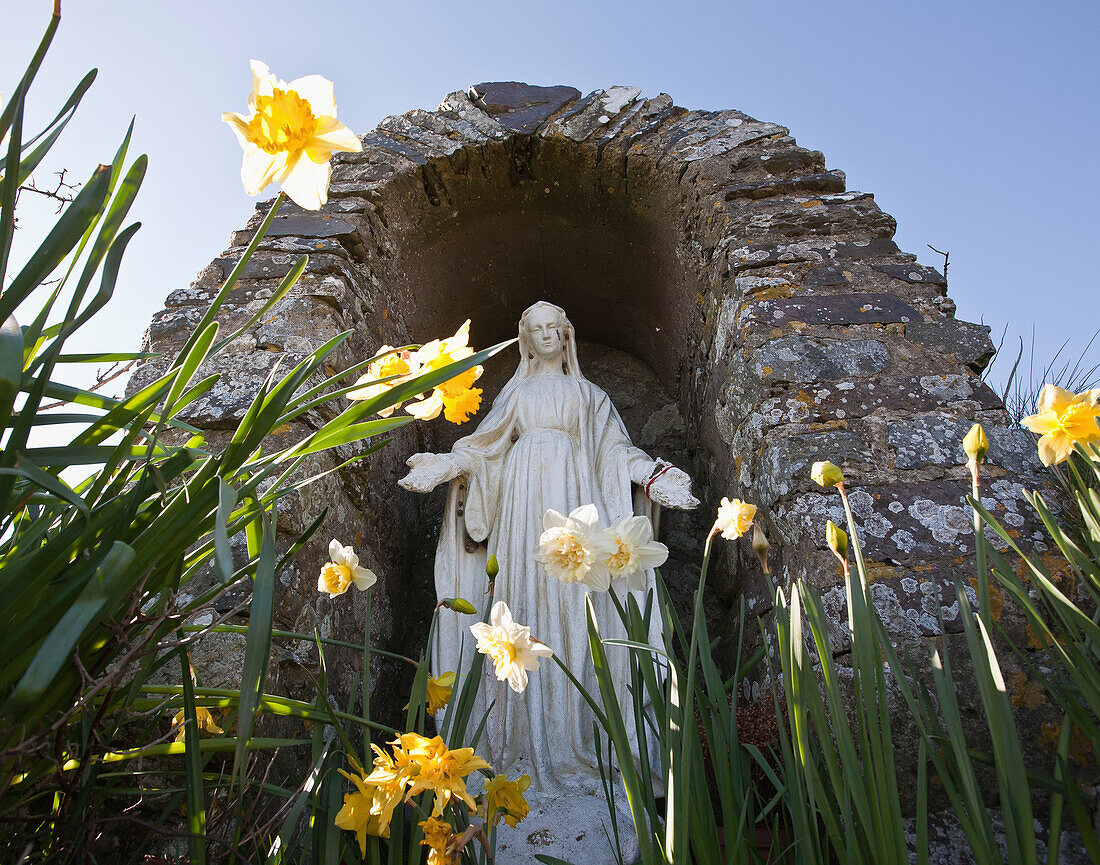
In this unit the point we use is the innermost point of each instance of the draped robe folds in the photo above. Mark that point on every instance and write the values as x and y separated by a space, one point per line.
550 441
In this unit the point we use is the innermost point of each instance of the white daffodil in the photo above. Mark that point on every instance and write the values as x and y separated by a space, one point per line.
289 136
510 646
636 552
574 550
339 574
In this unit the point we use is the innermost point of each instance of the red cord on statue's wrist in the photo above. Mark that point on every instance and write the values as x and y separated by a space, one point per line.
649 483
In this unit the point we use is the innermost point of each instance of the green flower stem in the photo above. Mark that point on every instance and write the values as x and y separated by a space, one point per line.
979 548
293 635
366 674
592 704
270 703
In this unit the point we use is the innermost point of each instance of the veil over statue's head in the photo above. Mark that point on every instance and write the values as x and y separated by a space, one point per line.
527 365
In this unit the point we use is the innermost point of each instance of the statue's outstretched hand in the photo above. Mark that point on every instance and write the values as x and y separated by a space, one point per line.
427 471
673 490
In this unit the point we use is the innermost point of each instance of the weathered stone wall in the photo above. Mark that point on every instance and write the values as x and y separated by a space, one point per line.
779 321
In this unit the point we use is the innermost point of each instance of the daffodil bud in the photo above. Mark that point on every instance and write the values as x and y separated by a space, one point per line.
459 605
492 568
976 444
826 474
760 547
837 539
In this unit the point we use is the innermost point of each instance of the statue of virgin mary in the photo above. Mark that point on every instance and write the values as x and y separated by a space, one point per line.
552 440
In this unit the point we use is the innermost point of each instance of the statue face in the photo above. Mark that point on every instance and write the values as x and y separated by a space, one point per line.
545 333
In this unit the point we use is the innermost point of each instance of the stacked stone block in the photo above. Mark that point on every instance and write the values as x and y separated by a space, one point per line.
770 301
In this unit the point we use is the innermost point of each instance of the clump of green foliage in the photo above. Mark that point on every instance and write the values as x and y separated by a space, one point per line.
99 535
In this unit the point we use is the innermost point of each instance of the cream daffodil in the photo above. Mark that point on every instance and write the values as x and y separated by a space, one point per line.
734 518
510 646
635 551
1064 419
394 363
289 136
342 571
574 550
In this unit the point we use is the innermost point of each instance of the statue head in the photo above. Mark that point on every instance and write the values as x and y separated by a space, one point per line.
545 332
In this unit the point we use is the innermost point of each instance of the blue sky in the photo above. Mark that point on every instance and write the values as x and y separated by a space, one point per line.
973 123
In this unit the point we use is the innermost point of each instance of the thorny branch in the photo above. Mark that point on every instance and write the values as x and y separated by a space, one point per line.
62 193
946 258
102 379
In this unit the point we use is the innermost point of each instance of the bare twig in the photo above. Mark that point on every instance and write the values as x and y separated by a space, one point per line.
102 379
946 258
62 192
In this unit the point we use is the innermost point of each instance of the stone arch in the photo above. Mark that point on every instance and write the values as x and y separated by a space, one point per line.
771 304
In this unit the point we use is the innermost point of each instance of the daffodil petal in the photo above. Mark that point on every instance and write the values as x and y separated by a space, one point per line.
259 169
1042 423
587 514
553 520
239 124
1049 452
306 182
335 551
1054 398
427 409
263 82
318 91
363 578
651 555
334 135
598 578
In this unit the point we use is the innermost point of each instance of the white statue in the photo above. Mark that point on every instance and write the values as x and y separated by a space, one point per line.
551 440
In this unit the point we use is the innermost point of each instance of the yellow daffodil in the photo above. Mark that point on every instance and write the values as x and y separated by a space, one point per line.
760 546
342 571
511 647
439 769
205 719
574 550
975 444
1064 418
837 539
395 363
289 136
438 692
635 551
457 398
734 518
438 835
504 798
457 409
368 810
826 474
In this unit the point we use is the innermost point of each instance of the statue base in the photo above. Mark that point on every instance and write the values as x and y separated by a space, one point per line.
575 828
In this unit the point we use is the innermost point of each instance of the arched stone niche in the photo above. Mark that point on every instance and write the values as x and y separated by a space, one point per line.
769 314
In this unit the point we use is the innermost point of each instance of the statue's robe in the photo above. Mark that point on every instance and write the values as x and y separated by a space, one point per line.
550 441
